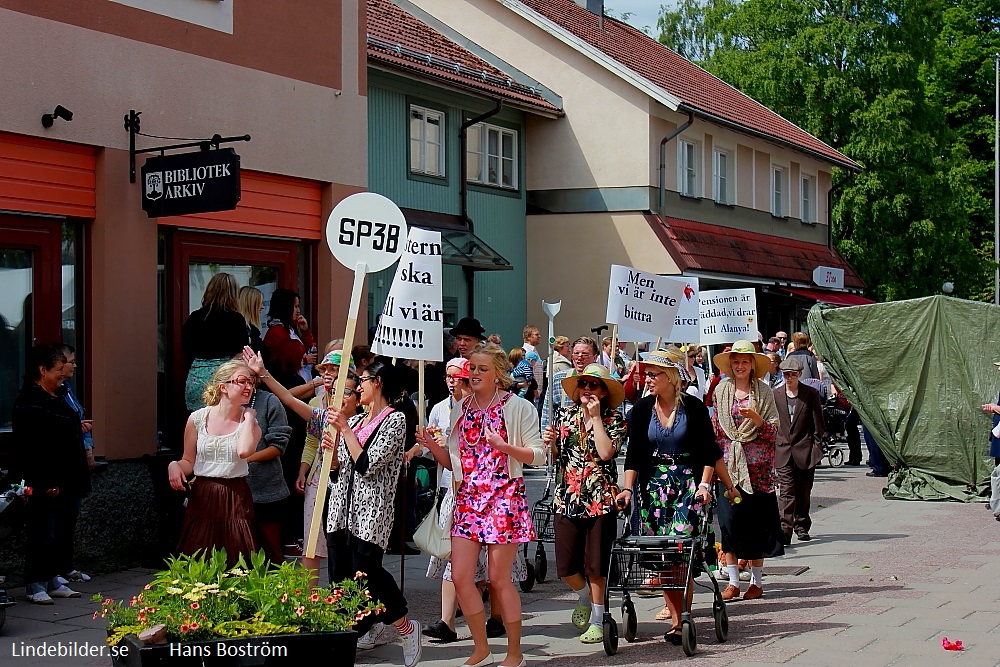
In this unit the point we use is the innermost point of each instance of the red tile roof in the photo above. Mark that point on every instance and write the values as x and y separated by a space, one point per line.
696 88
697 246
401 41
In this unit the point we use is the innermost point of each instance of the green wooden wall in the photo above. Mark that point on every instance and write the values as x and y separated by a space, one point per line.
498 215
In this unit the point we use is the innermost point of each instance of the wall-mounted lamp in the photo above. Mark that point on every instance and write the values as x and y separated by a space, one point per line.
49 119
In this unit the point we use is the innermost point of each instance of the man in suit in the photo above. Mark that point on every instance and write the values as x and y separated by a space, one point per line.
798 448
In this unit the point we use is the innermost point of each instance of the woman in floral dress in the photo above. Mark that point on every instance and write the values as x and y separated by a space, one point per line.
672 457
745 422
587 437
494 433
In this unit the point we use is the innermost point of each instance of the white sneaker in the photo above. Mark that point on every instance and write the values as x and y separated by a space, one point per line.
376 636
412 645
39 598
62 581
64 592
745 575
75 575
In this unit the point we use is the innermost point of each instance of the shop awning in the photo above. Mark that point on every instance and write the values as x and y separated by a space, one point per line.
459 246
828 296
699 247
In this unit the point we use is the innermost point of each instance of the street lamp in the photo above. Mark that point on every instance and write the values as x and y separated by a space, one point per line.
948 287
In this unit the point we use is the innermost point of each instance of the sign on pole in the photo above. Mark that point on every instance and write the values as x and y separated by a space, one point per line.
829 276
641 302
728 315
186 183
411 322
365 232
686 329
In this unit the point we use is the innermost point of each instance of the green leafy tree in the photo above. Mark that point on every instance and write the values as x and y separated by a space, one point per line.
880 80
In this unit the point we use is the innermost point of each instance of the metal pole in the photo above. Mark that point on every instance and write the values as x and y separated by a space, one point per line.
996 181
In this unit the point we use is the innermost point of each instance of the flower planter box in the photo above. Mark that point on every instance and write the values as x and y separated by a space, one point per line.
272 651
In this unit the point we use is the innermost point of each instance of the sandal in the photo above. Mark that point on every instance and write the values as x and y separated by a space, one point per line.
673 635
663 614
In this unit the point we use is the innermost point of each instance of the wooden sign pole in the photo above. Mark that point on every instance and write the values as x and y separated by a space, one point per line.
360 271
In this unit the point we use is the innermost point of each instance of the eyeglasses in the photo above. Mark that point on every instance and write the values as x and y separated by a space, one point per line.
244 382
589 384
583 354
365 378
692 356
791 373
652 375
348 392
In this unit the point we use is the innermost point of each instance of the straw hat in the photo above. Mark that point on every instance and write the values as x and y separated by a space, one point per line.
671 357
761 362
616 393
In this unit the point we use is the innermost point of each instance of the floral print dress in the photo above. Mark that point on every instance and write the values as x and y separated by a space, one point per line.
490 507
668 506
582 489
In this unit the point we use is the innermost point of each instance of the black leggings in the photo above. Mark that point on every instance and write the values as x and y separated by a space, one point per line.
347 555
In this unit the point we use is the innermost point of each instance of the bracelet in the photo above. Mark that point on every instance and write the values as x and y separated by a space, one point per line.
705 485
629 490
264 376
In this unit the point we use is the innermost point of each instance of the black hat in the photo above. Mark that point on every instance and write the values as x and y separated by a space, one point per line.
469 326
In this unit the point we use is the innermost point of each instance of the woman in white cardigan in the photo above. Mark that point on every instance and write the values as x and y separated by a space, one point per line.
494 433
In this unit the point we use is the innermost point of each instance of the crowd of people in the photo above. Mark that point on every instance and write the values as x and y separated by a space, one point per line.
745 431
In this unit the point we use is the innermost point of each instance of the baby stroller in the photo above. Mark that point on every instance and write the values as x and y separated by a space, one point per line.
836 410
674 561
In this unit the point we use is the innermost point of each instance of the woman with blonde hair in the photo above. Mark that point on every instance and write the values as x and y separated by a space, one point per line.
671 460
494 434
746 422
251 303
212 335
218 440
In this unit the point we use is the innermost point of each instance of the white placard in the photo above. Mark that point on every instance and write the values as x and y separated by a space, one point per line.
642 302
366 228
686 329
411 322
829 276
728 315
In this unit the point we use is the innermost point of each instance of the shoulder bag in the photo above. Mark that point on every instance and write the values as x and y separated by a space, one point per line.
433 535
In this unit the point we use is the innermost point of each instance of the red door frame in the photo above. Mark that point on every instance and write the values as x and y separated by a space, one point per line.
184 247
44 237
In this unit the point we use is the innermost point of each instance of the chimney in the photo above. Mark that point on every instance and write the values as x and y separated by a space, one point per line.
592 6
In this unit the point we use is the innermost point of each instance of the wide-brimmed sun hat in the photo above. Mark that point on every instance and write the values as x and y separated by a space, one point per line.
668 358
333 359
761 362
468 326
616 392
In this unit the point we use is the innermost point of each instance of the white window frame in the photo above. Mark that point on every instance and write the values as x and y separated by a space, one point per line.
779 190
688 168
807 206
422 142
723 180
482 149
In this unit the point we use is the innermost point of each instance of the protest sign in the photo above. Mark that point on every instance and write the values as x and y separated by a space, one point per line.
686 329
728 315
642 302
411 322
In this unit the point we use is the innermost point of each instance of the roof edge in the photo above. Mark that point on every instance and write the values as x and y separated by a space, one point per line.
544 92
580 45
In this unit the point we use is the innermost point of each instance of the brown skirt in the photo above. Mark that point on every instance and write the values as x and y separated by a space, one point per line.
220 515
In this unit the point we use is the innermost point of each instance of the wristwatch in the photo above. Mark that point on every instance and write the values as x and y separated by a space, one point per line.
705 485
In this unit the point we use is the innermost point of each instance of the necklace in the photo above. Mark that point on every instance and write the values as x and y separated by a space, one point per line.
475 400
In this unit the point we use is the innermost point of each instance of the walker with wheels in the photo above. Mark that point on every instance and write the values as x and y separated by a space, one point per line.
663 563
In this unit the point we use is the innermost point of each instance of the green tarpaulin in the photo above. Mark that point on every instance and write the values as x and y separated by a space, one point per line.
918 373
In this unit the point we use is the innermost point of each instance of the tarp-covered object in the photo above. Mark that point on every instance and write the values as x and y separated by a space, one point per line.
918 372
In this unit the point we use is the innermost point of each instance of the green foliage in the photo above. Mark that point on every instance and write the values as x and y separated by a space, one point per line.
200 597
904 87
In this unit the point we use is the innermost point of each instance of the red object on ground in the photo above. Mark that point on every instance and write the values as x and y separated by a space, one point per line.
952 645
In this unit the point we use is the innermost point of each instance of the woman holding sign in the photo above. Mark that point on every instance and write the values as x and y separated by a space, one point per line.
746 422
494 434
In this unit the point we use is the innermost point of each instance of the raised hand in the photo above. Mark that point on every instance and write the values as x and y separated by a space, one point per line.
253 360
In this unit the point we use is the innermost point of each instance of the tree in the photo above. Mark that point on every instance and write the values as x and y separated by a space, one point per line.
876 79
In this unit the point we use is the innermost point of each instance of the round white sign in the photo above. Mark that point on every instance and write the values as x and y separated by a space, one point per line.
366 227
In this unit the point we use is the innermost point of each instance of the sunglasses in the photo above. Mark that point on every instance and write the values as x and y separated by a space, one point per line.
791 373
592 385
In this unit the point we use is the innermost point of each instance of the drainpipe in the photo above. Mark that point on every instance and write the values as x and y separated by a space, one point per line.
463 194
829 208
661 204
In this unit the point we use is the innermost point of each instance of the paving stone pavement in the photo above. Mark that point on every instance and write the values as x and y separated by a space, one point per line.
886 581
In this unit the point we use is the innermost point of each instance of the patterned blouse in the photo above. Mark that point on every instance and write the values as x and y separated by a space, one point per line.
580 489
759 452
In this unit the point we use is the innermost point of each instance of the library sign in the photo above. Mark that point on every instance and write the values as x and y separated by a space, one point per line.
188 183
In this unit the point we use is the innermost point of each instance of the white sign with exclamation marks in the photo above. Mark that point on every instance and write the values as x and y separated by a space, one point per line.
410 326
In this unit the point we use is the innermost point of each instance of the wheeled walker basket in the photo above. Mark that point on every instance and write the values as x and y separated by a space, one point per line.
666 563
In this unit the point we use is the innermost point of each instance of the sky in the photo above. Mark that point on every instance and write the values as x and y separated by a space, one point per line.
645 12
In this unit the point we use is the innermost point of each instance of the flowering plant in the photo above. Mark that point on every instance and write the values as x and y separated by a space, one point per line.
200 597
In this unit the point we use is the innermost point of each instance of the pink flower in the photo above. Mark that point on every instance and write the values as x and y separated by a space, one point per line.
95 615
195 605
184 628
359 574
314 597
301 610
284 598
329 600
194 625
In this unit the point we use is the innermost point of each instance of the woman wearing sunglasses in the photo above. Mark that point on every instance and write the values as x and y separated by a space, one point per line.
586 439
672 456
218 440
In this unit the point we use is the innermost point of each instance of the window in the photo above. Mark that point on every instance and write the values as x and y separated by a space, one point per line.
426 141
808 209
492 156
778 192
722 177
687 168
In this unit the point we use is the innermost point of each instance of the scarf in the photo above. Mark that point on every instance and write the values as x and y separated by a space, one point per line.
762 401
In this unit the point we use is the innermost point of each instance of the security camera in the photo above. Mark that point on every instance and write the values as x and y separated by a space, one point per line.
49 119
